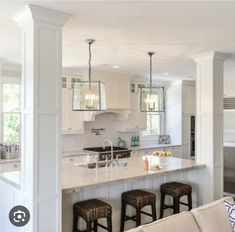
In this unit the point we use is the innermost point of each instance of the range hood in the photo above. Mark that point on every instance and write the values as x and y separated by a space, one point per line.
229 103
122 114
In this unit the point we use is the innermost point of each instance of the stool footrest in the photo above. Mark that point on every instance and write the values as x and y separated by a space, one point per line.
133 218
183 203
102 226
168 206
148 214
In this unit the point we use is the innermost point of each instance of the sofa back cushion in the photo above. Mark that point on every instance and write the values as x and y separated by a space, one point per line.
213 216
183 222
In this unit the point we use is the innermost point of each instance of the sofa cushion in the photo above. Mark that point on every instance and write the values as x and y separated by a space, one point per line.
183 222
213 216
231 212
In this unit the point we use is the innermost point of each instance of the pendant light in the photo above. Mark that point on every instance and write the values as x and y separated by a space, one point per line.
151 98
89 95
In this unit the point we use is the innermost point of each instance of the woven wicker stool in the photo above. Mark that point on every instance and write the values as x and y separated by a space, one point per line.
176 190
91 211
137 199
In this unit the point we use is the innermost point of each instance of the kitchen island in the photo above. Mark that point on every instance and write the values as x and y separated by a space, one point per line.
80 183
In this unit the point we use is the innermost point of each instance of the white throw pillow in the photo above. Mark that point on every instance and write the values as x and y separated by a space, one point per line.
231 212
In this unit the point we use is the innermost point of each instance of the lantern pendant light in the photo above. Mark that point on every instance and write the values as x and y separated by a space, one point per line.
89 95
151 98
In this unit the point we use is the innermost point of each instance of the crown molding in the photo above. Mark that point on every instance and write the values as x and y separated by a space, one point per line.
212 55
32 13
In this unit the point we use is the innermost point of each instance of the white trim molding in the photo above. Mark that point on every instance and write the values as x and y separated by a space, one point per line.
41 115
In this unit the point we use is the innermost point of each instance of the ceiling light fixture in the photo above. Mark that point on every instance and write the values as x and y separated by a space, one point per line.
165 73
151 98
115 66
89 95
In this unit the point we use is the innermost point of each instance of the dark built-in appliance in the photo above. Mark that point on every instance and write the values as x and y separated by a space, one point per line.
192 136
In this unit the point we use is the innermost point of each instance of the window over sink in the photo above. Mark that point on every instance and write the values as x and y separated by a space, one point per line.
155 125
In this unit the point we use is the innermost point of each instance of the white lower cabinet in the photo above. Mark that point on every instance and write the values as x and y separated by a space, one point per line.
79 159
9 166
69 160
72 121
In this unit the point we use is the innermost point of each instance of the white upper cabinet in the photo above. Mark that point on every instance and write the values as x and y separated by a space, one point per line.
229 84
117 89
188 98
72 121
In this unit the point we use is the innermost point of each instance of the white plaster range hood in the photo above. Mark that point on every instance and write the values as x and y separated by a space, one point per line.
229 103
122 114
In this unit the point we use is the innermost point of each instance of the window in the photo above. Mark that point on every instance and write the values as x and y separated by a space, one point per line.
153 124
10 112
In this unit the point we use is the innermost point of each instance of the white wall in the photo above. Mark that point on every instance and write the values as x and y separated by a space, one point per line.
174 111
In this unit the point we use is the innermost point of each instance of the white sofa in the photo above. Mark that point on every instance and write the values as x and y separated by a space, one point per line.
212 217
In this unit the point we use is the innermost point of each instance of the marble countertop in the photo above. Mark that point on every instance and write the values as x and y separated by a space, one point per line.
79 177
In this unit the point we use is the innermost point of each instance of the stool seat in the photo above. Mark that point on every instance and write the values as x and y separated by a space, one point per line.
176 189
92 210
138 198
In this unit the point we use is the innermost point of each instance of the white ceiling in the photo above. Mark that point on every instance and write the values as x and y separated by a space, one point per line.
125 31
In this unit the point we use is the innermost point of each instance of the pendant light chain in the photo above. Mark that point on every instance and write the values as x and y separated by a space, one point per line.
90 42
151 67
89 65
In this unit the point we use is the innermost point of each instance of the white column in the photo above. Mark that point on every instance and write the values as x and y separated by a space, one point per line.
209 121
41 115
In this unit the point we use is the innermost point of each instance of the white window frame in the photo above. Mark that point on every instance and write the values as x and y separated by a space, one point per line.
162 129
6 80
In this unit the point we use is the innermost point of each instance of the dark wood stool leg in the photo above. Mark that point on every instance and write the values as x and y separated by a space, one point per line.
154 213
75 223
95 225
123 214
138 217
176 205
109 222
190 205
162 204
89 226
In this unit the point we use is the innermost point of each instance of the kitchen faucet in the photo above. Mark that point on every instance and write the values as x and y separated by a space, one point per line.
111 146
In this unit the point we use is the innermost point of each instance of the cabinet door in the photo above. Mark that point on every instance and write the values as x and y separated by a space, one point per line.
76 119
72 121
137 120
186 129
11 166
68 160
188 98
193 100
65 109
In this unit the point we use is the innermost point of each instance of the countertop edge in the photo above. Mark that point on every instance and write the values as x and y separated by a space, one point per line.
161 173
